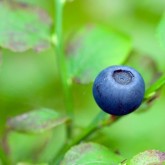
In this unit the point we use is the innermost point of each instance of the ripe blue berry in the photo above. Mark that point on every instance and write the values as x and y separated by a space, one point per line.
119 90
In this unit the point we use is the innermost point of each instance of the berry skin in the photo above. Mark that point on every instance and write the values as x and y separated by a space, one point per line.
119 90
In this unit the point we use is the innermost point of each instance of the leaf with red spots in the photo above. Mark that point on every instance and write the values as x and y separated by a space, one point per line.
94 48
24 27
36 121
150 157
91 154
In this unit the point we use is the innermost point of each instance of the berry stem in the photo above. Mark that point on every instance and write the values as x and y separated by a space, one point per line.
98 122
58 43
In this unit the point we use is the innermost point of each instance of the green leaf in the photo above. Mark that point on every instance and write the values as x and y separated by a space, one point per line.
156 86
161 32
36 121
91 154
93 49
149 157
24 27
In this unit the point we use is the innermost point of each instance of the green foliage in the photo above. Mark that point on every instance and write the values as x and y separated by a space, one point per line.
148 157
104 33
90 153
36 121
157 85
92 49
24 28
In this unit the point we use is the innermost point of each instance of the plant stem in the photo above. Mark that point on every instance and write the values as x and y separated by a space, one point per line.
99 122
4 158
58 30
4 150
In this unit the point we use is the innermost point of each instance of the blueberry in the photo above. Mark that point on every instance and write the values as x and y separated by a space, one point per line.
119 90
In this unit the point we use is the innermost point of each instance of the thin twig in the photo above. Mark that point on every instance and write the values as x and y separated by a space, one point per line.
62 62
98 123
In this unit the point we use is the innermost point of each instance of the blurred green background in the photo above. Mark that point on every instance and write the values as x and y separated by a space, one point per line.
30 80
